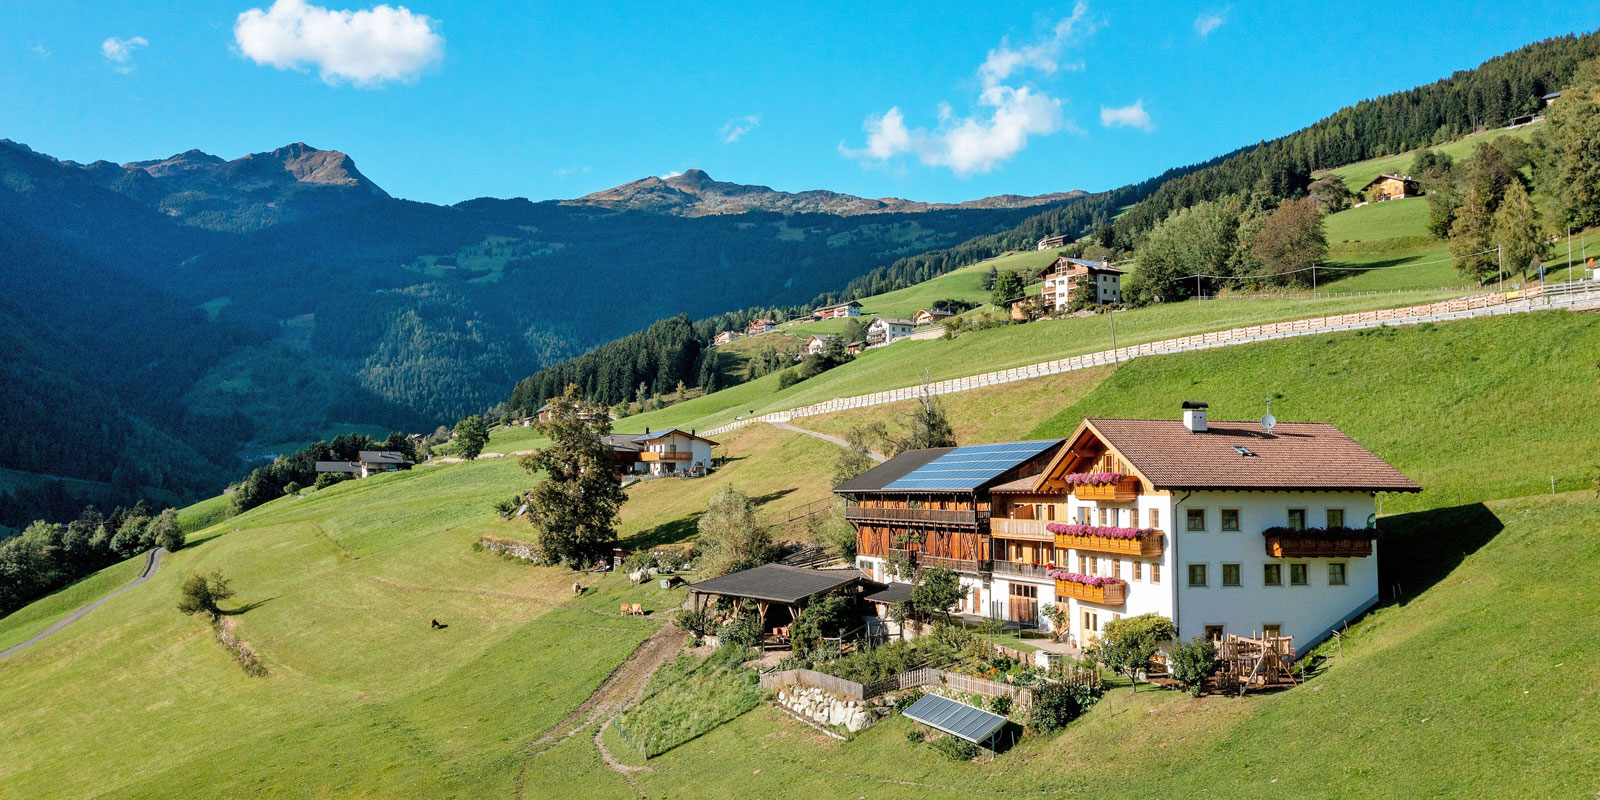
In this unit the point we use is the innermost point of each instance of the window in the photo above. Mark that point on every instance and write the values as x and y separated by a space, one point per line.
1297 575
1155 517
1197 575
1213 632
1083 564
1272 574
1271 630
1105 518
1230 520
1196 520
1230 574
1155 573
1138 570
1336 574
1336 518
1297 519
1116 568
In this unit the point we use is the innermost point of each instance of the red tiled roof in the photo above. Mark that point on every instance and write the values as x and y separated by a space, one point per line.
1296 455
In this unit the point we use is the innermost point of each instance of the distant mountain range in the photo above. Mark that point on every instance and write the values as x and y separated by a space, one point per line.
693 193
168 317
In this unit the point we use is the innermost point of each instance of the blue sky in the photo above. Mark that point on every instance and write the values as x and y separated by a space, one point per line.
444 101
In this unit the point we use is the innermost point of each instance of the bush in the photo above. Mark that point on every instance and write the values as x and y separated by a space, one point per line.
1054 705
907 699
1000 704
200 593
914 734
1192 663
326 479
292 488
788 378
956 749
829 615
697 623
743 632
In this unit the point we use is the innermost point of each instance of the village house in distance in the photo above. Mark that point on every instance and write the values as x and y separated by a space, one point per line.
367 464
1391 187
884 330
837 310
1224 527
724 337
759 326
671 452
1065 277
1052 242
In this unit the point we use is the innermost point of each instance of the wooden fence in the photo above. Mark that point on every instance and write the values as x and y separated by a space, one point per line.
1492 304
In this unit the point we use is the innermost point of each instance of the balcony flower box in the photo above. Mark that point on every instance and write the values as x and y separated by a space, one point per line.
1137 542
1105 487
1285 542
1090 588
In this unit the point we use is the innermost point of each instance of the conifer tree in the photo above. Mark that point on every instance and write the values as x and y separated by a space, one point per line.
1472 239
1516 229
574 509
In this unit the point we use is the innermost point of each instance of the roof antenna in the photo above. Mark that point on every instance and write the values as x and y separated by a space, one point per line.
1268 421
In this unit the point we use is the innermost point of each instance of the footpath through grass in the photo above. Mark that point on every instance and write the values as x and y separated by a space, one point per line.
686 698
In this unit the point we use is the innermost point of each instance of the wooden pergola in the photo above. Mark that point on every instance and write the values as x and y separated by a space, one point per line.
772 585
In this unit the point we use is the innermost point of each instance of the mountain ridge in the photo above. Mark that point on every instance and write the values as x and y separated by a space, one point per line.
694 193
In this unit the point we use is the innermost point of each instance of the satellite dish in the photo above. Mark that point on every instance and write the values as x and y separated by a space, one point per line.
1268 421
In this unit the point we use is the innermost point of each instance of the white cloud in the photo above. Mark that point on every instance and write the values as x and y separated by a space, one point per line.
41 51
565 171
1007 114
1209 21
1043 55
734 129
366 48
671 174
119 51
1133 116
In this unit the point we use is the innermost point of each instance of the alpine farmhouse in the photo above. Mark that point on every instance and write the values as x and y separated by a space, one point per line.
1224 527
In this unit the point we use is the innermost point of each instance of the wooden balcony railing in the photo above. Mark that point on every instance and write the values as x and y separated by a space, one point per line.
972 566
651 455
1147 546
1111 594
927 516
1017 569
1123 491
1029 529
1305 547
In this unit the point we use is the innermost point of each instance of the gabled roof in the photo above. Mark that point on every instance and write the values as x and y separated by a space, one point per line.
1240 455
1093 266
937 312
652 436
948 469
892 593
1389 176
835 305
780 583
823 337
622 442
891 321
338 466
382 457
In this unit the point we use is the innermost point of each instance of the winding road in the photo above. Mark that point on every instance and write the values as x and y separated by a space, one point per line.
151 564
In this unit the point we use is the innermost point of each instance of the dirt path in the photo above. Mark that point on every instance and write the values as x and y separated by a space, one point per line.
620 689
878 457
151 564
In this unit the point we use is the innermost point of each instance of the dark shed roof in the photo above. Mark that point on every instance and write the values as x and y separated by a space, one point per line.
890 471
338 466
893 593
779 583
382 457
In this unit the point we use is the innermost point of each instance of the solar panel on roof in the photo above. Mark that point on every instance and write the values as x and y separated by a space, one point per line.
970 466
957 719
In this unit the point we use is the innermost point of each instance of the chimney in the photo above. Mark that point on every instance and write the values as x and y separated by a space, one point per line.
1194 416
647 429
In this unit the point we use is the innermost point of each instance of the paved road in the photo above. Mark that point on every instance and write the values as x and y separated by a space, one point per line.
151 564
878 457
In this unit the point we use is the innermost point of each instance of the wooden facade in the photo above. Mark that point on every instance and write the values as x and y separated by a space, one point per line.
940 530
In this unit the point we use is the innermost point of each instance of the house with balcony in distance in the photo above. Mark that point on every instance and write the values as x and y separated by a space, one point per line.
1052 242
759 326
724 338
1391 187
367 464
674 452
837 310
930 316
624 453
1065 277
819 343
1227 528
884 330
933 505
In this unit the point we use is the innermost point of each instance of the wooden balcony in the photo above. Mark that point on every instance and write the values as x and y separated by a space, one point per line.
1017 569
1307 547
913 516
1123 491
1032 530
1111 594
970 566
1148 546
651 455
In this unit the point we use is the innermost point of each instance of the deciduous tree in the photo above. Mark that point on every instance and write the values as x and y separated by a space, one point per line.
1130 642
471 436
732 537
1290 241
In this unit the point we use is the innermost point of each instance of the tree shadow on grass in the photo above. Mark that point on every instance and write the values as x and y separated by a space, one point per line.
684 527
1419 549
247 607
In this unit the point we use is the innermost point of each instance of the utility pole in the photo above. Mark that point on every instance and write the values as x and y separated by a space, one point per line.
1313 280
1569 251
1499 252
